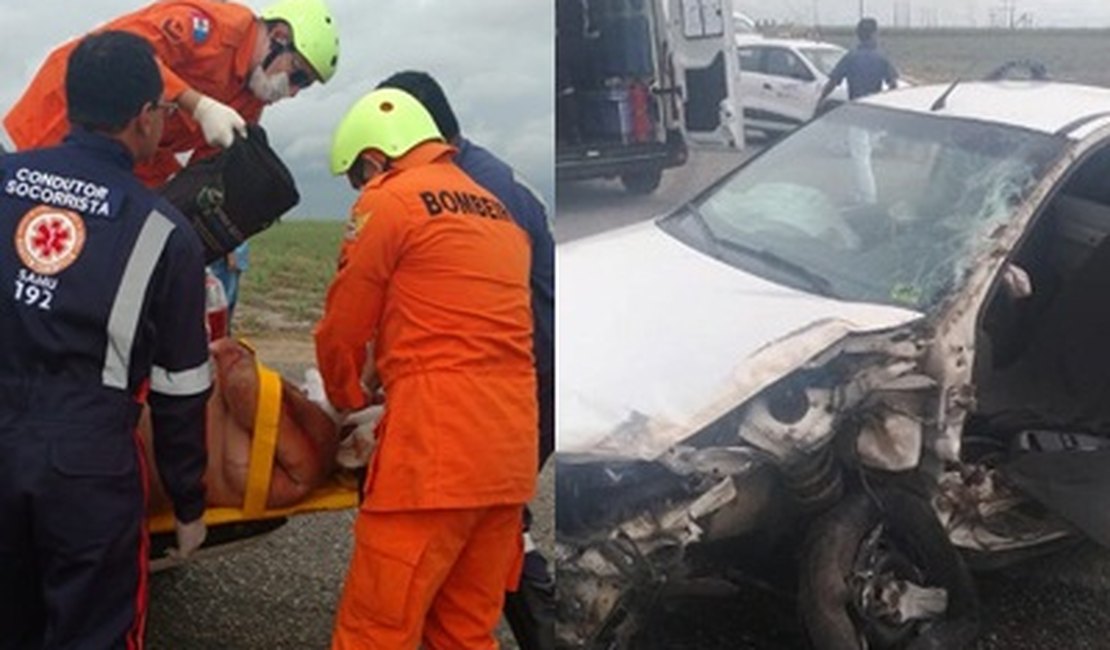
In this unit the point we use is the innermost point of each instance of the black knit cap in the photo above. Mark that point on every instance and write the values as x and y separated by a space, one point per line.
110 77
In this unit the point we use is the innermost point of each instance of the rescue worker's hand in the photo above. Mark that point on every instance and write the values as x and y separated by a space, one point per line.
1017 281
219 122
369 379
362 421
357 440
189 538
313 389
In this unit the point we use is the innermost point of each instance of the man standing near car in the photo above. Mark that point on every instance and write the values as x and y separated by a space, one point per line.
866 70
436 278
530 610
104 310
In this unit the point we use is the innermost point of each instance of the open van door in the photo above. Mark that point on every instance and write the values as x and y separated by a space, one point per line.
701 37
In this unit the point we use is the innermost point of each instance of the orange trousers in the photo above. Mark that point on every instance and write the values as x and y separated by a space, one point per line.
436 577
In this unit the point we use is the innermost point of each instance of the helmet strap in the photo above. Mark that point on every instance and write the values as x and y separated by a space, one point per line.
277 48
382 162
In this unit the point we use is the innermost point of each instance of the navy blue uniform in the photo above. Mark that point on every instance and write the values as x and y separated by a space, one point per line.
865 68
528 211
530 611
101 298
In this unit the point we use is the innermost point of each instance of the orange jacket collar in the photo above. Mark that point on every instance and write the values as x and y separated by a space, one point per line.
244 55
423 154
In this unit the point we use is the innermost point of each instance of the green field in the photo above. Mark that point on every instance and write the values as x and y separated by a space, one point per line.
940 55
291 265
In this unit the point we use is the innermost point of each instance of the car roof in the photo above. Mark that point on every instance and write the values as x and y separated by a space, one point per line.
1047 106
743 40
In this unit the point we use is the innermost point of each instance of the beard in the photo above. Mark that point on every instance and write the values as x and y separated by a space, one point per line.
269 87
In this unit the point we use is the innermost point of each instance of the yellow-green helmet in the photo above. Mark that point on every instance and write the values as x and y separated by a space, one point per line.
314 34
389 120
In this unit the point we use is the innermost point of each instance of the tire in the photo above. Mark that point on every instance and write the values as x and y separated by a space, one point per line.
909 535
643 182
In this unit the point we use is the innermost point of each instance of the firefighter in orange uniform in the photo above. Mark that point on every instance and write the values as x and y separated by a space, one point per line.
220 63
436 278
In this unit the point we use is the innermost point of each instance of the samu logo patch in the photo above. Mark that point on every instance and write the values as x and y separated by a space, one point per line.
49 240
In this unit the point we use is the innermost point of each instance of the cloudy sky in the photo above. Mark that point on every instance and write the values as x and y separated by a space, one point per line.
1063 13
495 59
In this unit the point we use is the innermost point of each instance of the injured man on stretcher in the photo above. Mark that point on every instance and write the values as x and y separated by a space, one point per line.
308 450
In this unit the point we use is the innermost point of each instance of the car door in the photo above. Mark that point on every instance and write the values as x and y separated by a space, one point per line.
789 86
821 60
702 41
757 90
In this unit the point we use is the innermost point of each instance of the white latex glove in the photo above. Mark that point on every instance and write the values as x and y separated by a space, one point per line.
1017 282
189 538
356 447
313 389
219 122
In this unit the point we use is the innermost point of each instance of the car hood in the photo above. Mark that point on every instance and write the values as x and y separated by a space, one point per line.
656 340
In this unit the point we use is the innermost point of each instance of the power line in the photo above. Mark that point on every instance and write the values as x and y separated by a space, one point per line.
903 13
1006 16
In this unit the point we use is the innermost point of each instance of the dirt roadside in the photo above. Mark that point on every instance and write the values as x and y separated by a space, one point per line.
290 353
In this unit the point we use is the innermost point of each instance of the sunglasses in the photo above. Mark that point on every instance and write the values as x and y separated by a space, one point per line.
300 76
169 107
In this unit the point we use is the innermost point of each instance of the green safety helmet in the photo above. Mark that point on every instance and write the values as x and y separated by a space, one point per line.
314 34
389 120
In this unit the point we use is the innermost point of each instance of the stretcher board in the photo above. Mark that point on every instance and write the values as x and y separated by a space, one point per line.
333 495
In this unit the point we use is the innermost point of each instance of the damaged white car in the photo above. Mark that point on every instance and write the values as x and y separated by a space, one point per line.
875 364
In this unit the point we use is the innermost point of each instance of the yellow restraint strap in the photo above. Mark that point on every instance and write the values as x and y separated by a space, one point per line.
264 442
336 494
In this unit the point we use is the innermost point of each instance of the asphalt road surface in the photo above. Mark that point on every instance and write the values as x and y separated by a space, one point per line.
1055 603
279 592
590 207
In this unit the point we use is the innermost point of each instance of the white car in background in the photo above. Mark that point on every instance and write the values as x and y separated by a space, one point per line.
743 23
781 80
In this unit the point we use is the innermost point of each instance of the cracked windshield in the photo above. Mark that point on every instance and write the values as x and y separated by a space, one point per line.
872 205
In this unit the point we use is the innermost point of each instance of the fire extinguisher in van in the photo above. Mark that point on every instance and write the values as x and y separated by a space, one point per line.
639 98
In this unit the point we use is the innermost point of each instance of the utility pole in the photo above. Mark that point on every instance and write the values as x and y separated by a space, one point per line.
1007 14
861 9
902 13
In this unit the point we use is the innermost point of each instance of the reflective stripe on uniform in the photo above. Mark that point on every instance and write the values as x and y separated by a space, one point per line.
124 319
181 383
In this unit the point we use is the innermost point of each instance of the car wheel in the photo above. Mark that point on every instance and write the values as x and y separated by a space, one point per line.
644 182
878 573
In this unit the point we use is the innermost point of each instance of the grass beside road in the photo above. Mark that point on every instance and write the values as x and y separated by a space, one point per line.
291 265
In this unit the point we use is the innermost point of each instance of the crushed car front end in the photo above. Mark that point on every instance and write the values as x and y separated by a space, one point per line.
632 530
763 362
